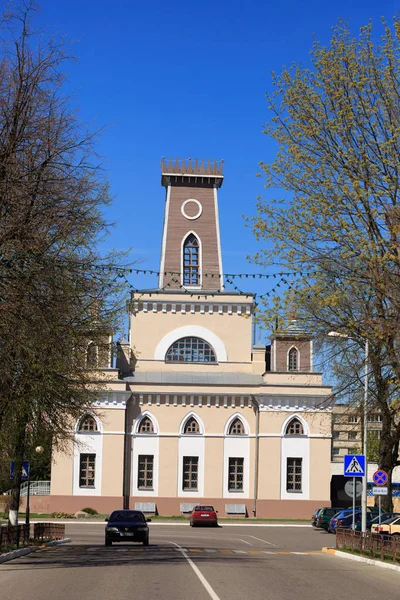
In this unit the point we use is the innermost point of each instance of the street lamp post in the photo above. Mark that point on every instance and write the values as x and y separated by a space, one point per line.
365 429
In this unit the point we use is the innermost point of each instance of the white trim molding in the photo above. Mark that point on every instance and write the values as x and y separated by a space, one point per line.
164 239
199 206
191 331
139 419
218 237
230 421
186 419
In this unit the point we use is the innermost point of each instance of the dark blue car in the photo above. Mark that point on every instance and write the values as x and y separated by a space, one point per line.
127 526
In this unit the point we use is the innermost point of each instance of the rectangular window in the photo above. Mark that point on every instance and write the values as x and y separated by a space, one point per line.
336 435
353 419
190 472
375 418
353 435
145 471
235 482
335 451
87 466
294 474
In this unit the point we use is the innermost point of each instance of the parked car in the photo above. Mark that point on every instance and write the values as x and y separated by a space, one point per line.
127 526
344 519
338 517
375 520
315 517
325 516
203 515
389 527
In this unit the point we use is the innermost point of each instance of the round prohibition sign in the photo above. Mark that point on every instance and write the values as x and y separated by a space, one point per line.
380 477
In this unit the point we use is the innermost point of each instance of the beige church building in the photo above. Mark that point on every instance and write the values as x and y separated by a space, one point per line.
195 411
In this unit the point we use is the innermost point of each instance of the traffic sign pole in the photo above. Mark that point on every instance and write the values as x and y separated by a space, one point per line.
379 505
354 504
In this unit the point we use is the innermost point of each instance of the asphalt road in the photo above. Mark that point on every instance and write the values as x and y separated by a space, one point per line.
235 563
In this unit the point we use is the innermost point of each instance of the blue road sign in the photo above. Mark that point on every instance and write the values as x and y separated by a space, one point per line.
24 470
354 465
380 477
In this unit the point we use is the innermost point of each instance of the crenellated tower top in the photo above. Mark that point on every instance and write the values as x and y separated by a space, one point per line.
200 171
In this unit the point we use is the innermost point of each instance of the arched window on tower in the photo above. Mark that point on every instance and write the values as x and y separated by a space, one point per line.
293 359
87 423
191 261
295 428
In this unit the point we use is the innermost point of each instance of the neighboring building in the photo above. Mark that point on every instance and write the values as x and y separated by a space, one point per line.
196 412
347 429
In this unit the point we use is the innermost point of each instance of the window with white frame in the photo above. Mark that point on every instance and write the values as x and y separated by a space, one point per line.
87 423
191 261
190 473
352 419
191 426
352 435
294 474
293 359
146 425
191 349
335 451
295 427
87 466
145 471
235 474
236 427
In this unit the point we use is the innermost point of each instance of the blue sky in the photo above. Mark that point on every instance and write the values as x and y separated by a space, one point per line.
189 80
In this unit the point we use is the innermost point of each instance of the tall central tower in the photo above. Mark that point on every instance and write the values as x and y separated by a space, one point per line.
191 247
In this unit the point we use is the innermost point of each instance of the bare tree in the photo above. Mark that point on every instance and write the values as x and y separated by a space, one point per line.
57 292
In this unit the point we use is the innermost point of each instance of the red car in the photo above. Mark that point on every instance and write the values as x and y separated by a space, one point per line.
203 515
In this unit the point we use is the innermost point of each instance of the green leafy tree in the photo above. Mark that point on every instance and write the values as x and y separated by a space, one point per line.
336 224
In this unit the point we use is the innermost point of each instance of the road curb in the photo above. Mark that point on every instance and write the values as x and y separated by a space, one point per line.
368 561
24 551
183 524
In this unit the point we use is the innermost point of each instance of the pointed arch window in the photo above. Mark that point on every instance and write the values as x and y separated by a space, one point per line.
191 426
146 425
92 356
190 349
295 427
87 423
293 359
236 428
191 261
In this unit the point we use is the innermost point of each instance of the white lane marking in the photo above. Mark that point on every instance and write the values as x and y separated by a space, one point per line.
244 541
239 551
199 574
260 540
305 553
268 552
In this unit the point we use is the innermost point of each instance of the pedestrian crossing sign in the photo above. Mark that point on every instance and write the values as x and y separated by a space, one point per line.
354 465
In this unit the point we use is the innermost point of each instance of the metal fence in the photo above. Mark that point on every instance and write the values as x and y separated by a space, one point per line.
23 534
383 547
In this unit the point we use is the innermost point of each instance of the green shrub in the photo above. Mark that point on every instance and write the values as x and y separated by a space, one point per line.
90 511
61 515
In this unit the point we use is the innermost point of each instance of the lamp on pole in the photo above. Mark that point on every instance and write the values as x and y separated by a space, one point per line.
365 429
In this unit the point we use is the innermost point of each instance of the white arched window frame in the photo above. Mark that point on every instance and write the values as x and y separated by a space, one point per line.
306 429
140 419
230 421
191 331
95 418
184 421
198 286
297 358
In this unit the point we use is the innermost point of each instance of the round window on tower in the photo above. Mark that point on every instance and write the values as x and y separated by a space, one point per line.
191 209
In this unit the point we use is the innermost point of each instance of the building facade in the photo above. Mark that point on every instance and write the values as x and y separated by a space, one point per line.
194 410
